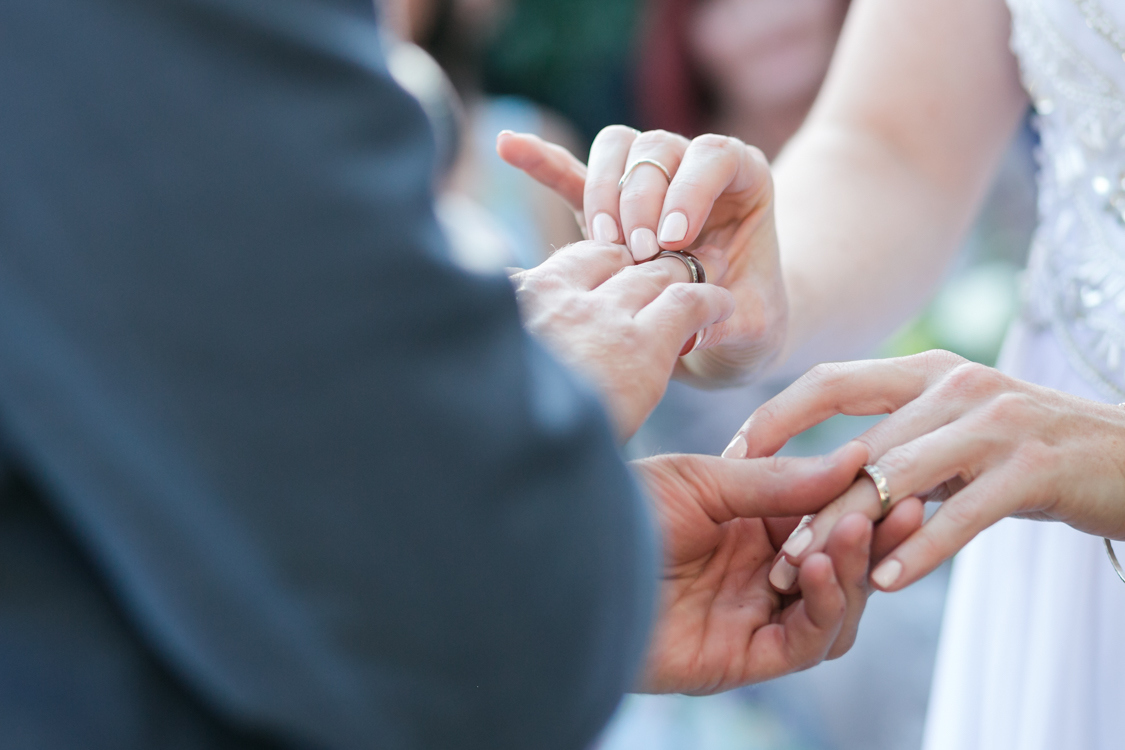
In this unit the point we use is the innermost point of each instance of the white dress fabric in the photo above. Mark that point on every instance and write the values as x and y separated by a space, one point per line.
1032 653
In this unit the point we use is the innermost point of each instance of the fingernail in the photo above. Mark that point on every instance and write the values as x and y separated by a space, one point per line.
783 575
700 340
605 228
736 449
798 543
886 574
505 131
674 227
642 243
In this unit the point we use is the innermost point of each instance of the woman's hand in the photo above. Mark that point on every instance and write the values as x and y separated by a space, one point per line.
721 624
718 205
622 325
986 444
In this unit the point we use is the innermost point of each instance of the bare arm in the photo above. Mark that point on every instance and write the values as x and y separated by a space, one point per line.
875 191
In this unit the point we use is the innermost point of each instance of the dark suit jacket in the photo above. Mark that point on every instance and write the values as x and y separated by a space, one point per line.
278 474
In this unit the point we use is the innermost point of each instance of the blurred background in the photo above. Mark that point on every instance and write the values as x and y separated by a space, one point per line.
751 68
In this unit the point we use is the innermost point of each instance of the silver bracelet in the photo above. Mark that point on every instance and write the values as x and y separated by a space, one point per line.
1113 561
1112 555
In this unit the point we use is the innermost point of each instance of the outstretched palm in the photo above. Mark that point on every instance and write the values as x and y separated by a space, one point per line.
721 624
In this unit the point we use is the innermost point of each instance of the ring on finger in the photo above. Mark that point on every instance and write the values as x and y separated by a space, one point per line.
877 476
638 163
694 265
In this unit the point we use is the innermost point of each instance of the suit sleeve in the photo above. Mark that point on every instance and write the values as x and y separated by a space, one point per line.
331 480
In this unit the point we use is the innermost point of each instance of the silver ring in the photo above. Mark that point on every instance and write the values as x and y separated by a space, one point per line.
876 475
638 163
694 265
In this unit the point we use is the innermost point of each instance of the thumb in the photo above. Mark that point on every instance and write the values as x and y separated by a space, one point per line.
726 489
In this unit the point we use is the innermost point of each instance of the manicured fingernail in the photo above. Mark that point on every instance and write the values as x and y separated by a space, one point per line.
642 243
783 575
886 574
700 340
674 227
736 449
798 543
605 228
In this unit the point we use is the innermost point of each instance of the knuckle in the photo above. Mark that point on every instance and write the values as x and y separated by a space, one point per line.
962 513
615 134
714 142
592 251
1008 409
896 463
650 137
971 379
683 295
826 374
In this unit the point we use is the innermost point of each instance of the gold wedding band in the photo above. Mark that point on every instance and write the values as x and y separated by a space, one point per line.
638 163
694 265
875 474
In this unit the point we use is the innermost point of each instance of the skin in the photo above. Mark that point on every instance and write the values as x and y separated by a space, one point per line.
621 325
871 199
721 624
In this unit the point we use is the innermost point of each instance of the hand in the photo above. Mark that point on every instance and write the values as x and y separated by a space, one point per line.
721 624
986 444
719 205
621 325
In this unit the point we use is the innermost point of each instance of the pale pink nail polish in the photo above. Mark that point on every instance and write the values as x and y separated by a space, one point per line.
783 575
736 449
886 574
605 228
798 543
674 227
642 244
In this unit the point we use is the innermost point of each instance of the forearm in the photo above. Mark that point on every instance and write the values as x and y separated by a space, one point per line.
876 190
863 238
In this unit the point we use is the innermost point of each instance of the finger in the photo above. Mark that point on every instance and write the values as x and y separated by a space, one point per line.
601 197
989 498
783 574
903 520
684 310
548 164
642 195
585 265
958 391
813 624
712 166
807 628
957 450
638 286
768 487
780 529
856 388
849 547
861 497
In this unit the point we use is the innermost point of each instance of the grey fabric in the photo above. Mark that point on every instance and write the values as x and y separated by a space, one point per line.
324 478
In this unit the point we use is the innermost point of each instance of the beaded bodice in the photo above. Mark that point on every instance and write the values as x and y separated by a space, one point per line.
1071 61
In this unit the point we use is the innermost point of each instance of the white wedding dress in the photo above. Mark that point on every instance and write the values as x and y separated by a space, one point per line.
1032 653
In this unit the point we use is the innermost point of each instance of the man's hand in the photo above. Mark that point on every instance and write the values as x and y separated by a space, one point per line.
718 205
721 624
622 325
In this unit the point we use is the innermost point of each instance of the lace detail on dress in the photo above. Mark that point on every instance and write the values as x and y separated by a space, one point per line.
1076 273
